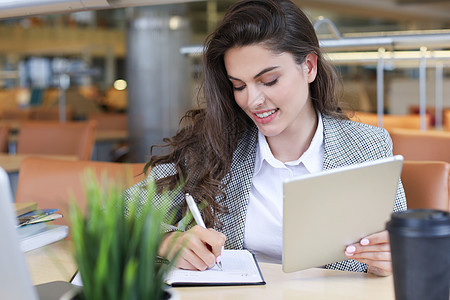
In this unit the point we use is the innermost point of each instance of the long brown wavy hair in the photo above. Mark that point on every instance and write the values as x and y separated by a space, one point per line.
203 147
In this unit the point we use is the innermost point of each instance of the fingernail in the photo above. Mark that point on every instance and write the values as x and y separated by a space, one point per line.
350 249
218 259
364 242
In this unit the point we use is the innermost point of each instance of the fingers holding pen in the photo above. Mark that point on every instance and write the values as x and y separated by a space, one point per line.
192 261
208 245
200 247
217 243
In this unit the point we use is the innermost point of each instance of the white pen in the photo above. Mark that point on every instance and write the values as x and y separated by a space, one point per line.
198 217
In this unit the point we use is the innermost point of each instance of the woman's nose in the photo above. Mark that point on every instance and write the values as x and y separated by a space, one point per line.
255 98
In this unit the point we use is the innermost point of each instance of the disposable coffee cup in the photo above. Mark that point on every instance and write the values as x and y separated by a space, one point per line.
420 247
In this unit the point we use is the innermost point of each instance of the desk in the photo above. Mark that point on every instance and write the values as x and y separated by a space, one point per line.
105 135
104 143
11 162
100 136
53 262
308 284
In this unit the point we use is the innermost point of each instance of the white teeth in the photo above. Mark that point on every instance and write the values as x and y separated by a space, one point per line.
266 114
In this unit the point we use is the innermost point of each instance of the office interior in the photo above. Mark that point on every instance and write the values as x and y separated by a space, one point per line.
143 62
135 68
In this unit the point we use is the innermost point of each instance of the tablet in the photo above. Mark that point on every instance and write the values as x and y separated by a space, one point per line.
326 211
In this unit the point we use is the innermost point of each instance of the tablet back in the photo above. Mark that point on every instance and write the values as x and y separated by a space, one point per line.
325 211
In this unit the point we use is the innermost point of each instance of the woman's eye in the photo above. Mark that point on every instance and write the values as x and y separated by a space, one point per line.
238 88
271 82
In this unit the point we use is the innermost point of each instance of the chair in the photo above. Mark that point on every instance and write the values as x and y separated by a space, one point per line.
51 182
54 138
4 138
446 119
421 145
51 114
110 124
426 184
116 100
110 121
391 122
17 114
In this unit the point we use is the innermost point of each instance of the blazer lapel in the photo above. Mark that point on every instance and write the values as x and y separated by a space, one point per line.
238 184
339 147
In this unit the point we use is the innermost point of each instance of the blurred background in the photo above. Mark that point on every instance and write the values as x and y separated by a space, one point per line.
136 70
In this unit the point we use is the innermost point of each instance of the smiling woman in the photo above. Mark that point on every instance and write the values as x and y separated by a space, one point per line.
271 112
274 92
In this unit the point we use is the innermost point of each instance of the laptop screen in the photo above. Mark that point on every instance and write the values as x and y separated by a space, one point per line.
15 280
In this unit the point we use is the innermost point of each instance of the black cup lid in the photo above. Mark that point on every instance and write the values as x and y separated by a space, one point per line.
420 223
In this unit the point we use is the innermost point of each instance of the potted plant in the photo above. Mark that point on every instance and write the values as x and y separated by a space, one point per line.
116 245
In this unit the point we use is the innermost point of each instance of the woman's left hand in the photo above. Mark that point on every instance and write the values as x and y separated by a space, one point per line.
375 251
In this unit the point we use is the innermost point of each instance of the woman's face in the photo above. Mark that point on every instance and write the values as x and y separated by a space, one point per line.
271 88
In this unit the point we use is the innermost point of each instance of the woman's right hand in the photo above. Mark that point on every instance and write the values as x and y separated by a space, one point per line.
200 248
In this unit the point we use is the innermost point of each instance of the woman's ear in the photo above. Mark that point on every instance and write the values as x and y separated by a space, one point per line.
310 67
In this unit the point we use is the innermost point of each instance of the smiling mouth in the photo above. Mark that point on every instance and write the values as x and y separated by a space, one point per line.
267 113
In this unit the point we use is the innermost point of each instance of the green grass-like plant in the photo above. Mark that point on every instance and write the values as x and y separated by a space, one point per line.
116 244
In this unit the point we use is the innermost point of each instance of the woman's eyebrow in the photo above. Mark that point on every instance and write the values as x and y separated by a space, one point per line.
265 71
257 75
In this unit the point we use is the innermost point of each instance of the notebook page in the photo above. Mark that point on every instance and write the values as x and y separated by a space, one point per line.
239 266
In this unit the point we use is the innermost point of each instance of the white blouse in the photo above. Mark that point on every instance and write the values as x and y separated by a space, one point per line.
263 234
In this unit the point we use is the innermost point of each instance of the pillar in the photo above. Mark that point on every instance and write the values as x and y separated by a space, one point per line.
157 76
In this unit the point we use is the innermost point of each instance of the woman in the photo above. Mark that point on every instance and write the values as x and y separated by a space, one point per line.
271 112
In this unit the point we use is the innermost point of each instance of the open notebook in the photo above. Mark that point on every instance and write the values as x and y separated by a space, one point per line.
15 280
239 268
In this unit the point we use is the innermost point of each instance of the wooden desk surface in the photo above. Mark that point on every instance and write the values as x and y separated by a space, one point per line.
308 284
111 135
100 136
54 262
11 162
51 263
13 125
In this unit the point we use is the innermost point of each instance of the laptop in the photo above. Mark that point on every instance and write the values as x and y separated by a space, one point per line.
326 211
15 279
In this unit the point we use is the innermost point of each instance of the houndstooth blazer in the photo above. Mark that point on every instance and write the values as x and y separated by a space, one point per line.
345 142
